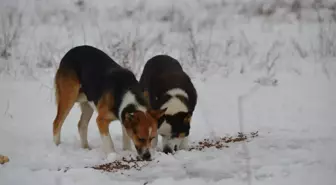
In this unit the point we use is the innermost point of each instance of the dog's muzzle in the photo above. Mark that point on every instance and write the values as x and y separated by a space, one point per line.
144 154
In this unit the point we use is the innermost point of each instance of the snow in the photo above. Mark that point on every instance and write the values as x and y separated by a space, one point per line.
295 119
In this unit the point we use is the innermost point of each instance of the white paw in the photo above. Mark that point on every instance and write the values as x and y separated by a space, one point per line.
112 156
57 139
108 145
86 146
127 148
184 144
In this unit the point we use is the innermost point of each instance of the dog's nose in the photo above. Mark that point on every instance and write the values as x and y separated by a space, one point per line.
167 150
146 156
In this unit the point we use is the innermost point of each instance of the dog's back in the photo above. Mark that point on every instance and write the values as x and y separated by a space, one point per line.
158 65
87 58
91 66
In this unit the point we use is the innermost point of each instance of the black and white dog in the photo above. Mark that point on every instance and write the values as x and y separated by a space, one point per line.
166 85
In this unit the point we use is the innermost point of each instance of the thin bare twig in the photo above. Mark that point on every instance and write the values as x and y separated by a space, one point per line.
7 110
241 100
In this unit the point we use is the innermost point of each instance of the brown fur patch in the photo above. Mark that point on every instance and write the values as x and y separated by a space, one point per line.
66 91
105 113
142 127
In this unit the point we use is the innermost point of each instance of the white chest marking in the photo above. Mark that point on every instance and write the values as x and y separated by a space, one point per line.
165 129
174 104
129 98
150 131
177 91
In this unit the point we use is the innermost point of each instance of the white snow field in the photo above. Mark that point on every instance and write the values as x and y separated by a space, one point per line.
224 45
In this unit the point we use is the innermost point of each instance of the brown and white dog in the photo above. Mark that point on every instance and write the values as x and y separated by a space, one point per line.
90 77
167 86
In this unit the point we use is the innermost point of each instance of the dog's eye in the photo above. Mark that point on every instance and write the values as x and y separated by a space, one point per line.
151 138
142 140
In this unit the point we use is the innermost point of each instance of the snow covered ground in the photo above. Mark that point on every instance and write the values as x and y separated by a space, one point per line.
225 45
296 143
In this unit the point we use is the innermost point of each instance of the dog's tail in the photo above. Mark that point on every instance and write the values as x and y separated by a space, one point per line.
56 87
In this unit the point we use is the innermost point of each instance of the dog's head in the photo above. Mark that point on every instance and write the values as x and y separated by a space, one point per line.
174 129
142 129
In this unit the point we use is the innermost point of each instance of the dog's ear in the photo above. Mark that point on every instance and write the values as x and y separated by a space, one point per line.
157 114
129 118
187 118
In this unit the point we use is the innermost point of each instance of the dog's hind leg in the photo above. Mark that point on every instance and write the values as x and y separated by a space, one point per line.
83 123
67 89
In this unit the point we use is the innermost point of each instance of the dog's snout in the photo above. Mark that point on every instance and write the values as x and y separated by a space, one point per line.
146 156
167 150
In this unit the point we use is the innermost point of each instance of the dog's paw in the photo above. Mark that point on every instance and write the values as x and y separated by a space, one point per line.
86 147
112 156
3 159
167 150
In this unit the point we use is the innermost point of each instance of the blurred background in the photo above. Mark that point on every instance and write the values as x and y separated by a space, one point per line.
209 37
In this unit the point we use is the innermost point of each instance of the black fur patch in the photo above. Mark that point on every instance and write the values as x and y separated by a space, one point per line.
177 123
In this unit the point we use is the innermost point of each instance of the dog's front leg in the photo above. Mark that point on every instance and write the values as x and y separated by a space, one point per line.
184 144
105 116
103 125
166 146
155 142
126 139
